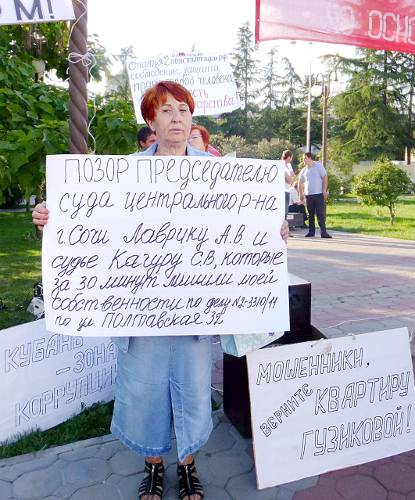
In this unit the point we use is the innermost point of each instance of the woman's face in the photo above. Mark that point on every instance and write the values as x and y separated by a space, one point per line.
195 140
172 121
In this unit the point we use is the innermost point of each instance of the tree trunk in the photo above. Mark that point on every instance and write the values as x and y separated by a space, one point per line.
385 77
392 213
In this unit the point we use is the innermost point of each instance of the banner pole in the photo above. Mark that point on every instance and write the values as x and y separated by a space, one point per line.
78 79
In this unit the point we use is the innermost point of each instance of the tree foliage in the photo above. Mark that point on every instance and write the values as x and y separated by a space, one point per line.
245 68
33 123
34 115
374 114
382 185
115 127
49 42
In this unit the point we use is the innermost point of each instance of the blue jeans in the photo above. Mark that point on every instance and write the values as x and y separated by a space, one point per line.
163 382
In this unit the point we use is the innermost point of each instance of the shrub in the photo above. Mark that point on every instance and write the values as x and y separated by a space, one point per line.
382 185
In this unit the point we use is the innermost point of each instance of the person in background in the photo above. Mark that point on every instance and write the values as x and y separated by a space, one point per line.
145 137
287 157
296 205
313 187
163 382
199 138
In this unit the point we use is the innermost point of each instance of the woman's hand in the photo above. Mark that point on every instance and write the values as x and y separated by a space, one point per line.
40 216
284 231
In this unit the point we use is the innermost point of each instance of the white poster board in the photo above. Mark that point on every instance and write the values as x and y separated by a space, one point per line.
209 78
47 378
35 11
326 405
187 245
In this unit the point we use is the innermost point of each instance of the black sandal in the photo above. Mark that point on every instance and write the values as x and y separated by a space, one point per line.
189 483
152 484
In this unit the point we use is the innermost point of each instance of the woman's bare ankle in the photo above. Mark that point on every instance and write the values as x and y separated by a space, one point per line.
186 461
154 460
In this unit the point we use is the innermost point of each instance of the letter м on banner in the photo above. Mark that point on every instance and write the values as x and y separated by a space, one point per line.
35 11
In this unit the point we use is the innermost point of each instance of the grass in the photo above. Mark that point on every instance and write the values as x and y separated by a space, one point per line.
20 267
350 216
91 422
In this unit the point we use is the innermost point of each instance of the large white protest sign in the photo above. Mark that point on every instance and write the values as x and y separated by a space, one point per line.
326 405
164 246
208 77
47 378
35 11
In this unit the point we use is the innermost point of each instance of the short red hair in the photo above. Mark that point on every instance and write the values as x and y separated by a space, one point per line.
204 133
156 96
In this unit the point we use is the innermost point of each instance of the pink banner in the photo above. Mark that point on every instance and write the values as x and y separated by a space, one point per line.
376 24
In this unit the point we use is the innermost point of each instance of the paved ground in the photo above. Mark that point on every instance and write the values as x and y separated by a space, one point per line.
359 284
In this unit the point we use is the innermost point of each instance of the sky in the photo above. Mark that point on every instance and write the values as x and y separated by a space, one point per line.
156 27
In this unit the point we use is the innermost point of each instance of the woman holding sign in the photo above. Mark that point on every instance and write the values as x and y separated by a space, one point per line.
164 381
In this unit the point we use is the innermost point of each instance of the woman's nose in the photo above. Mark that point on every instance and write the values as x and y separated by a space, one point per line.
175 115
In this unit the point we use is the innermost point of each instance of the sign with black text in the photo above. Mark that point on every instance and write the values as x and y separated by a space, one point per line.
326 405
47 378
35 11
186 245
208 77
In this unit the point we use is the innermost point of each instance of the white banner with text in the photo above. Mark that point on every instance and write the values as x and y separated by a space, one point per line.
327 405
208 77
47 378
35 11
186 245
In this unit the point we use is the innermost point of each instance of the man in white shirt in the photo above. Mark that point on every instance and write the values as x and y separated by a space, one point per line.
287 157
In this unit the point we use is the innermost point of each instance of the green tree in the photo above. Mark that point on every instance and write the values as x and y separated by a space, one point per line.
382 185
34 115
33 123
49 42
374 114
271 80
245 68
290 83
115 126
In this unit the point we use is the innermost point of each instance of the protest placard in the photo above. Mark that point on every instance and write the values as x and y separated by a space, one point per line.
47 378
208 77
326 405
35 11
186 245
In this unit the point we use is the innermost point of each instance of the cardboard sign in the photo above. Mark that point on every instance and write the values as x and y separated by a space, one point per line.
163 245
326 405
35 11
47 378
209 78
376 24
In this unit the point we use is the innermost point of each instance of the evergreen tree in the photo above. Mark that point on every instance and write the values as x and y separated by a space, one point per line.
245 68
375 112
271 80
290 82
